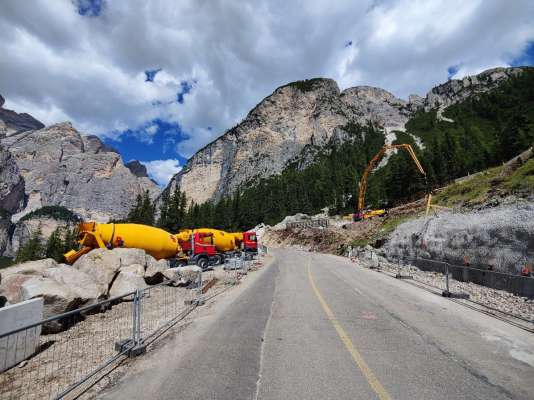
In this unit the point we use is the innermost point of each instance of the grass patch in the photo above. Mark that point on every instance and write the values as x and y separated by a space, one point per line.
6 262
391 223
522 180
474 190
480 187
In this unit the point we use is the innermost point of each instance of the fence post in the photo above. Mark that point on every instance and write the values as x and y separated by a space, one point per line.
138 346
446 292
200 297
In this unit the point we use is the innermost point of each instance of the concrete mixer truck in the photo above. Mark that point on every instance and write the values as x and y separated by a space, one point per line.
225 244
203 247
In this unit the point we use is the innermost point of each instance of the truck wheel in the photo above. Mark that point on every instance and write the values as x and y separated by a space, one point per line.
218 260
202 262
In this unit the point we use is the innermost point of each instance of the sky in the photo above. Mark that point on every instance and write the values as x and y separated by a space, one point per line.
159 79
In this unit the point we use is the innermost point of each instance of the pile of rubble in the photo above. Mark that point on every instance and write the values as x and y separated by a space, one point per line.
97 275
497 299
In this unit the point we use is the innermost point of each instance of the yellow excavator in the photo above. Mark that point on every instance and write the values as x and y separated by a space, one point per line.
361 213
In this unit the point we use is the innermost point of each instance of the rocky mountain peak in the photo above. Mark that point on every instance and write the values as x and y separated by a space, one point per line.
14 122
456 90
61 167
137 168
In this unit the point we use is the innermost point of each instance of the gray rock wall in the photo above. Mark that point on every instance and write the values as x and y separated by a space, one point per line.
61 167
502 237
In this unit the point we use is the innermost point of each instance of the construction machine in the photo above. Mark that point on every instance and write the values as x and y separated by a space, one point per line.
246 241
203 247
155 241
361 213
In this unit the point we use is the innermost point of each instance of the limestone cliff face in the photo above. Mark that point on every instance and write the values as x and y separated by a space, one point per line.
278 129
306 113
61 167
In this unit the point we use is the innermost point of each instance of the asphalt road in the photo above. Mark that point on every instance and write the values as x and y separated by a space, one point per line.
314 326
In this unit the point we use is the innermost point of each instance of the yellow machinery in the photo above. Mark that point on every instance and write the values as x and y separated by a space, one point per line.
360 213
156 242
223 241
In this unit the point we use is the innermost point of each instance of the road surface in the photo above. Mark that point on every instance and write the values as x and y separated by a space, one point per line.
312 326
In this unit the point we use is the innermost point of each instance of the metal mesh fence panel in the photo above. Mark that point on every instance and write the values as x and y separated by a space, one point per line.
66 349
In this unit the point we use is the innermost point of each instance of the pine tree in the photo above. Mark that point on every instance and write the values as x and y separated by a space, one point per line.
32 249
55 247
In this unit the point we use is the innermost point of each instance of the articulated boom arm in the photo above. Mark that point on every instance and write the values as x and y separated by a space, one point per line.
372 165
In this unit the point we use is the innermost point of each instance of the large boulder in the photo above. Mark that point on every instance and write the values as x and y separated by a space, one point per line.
12 278
58 298
136 269
83 285
188 274
10 287
36 267
155 269
104 265
126 282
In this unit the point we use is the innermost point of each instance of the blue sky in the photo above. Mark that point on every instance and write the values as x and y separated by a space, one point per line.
159 79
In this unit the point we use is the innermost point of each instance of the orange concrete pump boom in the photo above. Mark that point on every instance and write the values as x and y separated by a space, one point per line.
372 165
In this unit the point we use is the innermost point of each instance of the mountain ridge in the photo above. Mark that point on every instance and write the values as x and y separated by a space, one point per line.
310 112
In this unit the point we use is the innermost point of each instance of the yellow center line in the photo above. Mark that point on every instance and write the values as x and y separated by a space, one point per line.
356 356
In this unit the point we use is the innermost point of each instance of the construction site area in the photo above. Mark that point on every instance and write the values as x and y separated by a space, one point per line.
134 303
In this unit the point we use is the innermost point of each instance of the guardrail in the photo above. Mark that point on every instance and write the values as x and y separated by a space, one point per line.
70 351
312 223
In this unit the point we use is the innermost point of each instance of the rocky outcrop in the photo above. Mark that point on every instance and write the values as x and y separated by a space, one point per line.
15 122
11 183
302 115
457 90
62 167
137 168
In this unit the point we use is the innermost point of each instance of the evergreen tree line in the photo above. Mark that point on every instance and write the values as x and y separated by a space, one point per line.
487 130
62 239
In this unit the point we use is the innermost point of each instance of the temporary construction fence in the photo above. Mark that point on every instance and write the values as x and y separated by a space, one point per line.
70 351
519 285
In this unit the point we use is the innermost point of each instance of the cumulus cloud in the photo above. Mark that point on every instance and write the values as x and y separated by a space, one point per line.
162 170
115 66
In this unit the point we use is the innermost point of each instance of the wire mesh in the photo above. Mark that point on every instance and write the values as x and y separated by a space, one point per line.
63 350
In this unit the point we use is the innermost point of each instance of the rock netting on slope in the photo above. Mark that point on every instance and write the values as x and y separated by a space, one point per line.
500 237
62 167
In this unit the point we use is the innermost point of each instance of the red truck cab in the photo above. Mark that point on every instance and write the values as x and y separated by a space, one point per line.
200 250
250 241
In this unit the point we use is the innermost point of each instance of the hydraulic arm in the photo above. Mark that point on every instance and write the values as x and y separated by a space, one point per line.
372 164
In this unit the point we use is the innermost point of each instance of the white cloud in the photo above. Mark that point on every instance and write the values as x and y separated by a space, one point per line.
57 64
162 170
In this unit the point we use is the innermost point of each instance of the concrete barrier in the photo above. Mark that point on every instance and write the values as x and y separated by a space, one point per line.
19 346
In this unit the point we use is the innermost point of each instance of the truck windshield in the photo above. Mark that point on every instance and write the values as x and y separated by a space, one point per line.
252 237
